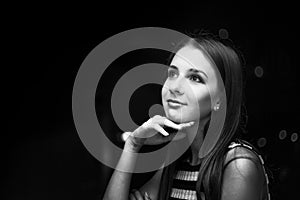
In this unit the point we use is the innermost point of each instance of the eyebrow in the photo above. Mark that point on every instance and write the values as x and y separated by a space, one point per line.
190 70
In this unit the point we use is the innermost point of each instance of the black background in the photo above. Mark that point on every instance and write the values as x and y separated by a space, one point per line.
44 46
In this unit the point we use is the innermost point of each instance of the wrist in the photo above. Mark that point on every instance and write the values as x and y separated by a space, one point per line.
132 146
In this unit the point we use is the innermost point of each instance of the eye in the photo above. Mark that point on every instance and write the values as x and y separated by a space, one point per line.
172 73
196 78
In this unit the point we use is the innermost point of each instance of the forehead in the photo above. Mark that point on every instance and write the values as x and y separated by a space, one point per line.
190 57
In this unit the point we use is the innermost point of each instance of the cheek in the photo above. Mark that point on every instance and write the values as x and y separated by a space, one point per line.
205 105
164 91
200 101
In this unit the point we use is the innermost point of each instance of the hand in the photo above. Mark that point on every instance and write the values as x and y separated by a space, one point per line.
147 132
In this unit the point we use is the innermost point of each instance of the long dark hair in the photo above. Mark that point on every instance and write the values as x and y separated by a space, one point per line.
229 62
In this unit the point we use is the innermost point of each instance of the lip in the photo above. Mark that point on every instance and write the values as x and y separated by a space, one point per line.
175 102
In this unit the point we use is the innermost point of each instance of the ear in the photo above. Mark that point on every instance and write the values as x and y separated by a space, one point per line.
220 98
217 104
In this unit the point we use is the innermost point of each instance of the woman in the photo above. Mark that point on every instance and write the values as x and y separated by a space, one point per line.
231 169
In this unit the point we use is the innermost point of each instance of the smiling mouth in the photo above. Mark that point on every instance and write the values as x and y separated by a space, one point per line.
175 103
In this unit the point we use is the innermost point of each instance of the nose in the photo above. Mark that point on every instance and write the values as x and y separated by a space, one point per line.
176 86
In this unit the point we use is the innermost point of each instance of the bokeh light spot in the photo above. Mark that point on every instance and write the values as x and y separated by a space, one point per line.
223 33
259 71
262 142
294 137
282 134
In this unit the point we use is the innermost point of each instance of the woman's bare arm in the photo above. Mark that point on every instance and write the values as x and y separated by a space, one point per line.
118 186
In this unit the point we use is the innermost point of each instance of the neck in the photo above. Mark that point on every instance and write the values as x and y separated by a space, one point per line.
197 141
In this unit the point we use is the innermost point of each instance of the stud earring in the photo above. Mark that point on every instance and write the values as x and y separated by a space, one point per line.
216 107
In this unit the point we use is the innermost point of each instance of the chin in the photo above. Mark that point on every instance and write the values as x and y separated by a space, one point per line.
175 120
178 119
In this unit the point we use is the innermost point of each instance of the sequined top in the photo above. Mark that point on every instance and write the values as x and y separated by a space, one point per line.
184 182
185 178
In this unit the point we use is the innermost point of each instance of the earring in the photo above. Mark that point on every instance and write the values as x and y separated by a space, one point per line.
216 107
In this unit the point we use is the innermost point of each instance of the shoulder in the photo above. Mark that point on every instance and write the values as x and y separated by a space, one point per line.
241 153
243 176
241 161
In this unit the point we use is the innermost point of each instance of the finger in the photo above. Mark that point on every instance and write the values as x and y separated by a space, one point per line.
161 130
171 124
138 195
187 124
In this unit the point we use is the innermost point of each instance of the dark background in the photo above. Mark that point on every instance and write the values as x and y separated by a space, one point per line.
46 44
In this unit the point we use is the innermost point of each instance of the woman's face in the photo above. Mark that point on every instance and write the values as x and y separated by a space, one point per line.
191 81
